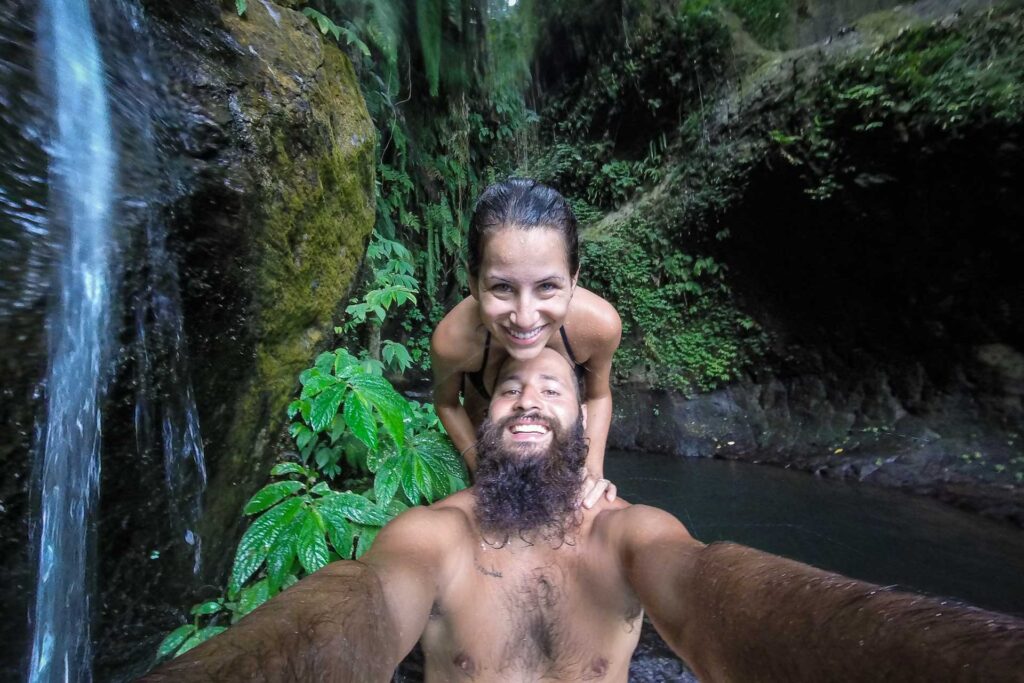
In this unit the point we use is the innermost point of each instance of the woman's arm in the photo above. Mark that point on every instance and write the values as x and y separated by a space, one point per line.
447 365
607 333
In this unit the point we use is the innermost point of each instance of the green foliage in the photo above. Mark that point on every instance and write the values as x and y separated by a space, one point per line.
680 325
347 31
346 414
929 81
765 20
393 282
603 137
241 6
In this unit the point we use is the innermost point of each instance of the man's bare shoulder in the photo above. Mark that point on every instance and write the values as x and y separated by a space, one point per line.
620 521
445 522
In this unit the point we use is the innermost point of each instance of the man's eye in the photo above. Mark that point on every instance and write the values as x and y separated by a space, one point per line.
510 392
551 392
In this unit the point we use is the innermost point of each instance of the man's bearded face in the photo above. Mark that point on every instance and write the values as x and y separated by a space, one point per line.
525 488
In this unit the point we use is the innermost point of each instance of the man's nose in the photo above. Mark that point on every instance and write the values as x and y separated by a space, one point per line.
529 399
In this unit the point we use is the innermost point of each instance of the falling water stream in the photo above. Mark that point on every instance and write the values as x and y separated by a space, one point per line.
105 194
82 178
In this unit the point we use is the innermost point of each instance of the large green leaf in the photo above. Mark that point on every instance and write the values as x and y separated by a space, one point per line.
324 362
408 479
282 468
384 452
311 546
366 536
271 494
258 539
360 420
342 539
354 507
390 405
174 640
385 484
436 449
315 382
339 529
199 637
252 597
325 407
424 482
208 607
282 556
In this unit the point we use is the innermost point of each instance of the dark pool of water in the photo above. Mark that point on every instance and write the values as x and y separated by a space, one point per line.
879 535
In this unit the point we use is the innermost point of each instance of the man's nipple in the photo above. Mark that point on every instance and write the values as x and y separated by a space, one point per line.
465 664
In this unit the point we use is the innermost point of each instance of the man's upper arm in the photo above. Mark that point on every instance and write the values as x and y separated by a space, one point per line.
657 555
407 556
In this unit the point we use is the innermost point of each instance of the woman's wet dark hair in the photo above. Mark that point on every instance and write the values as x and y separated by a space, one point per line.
523 204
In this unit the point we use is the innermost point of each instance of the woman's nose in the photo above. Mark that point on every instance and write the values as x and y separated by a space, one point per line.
525 313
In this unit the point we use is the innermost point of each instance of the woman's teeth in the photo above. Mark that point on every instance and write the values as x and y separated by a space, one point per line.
528 334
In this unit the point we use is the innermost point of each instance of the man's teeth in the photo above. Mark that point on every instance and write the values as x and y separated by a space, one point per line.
529 429
524 335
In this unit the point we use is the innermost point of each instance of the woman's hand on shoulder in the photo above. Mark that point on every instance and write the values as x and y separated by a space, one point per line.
595 487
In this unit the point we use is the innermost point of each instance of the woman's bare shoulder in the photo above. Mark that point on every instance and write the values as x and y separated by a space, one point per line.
594 322
458 335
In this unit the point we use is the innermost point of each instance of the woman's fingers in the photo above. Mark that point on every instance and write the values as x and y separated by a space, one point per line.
593 489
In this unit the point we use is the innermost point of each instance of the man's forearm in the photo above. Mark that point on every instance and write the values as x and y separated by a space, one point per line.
749 615
331 626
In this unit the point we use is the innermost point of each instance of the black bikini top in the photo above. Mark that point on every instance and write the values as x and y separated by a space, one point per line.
476 378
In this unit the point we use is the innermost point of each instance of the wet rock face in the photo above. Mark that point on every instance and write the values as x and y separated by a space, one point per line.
264 176
276 203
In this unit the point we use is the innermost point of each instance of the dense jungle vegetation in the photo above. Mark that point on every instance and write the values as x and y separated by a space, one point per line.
615 104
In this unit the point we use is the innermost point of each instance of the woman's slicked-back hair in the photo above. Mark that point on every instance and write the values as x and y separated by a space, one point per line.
523 204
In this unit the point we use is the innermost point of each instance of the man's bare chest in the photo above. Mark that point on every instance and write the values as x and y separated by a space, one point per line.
537 615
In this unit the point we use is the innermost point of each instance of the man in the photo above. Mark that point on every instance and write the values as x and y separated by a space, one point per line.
512 581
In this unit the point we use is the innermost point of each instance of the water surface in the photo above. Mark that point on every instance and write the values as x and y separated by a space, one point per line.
879 535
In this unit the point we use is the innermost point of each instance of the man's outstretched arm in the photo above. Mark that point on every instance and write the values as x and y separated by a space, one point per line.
350 621
738 614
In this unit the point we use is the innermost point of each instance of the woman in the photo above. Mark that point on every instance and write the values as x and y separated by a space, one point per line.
523 266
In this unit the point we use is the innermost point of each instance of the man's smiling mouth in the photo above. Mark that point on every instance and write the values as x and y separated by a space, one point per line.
530 424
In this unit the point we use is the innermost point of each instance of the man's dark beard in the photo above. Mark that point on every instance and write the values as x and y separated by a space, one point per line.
528 494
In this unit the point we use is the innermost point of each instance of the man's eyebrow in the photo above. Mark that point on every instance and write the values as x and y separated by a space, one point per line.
506 378
554 378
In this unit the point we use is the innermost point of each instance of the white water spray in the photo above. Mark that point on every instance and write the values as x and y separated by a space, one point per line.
82 171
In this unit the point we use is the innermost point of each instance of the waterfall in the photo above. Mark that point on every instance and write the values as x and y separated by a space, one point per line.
82 178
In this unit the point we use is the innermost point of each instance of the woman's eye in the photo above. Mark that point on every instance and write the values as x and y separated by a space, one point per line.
501 288
548 287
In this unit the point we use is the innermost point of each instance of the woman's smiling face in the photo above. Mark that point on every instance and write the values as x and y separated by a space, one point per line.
524 288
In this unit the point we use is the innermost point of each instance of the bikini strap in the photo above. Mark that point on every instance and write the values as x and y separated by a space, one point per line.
568 346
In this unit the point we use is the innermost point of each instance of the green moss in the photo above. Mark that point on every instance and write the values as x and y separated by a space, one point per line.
308 225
